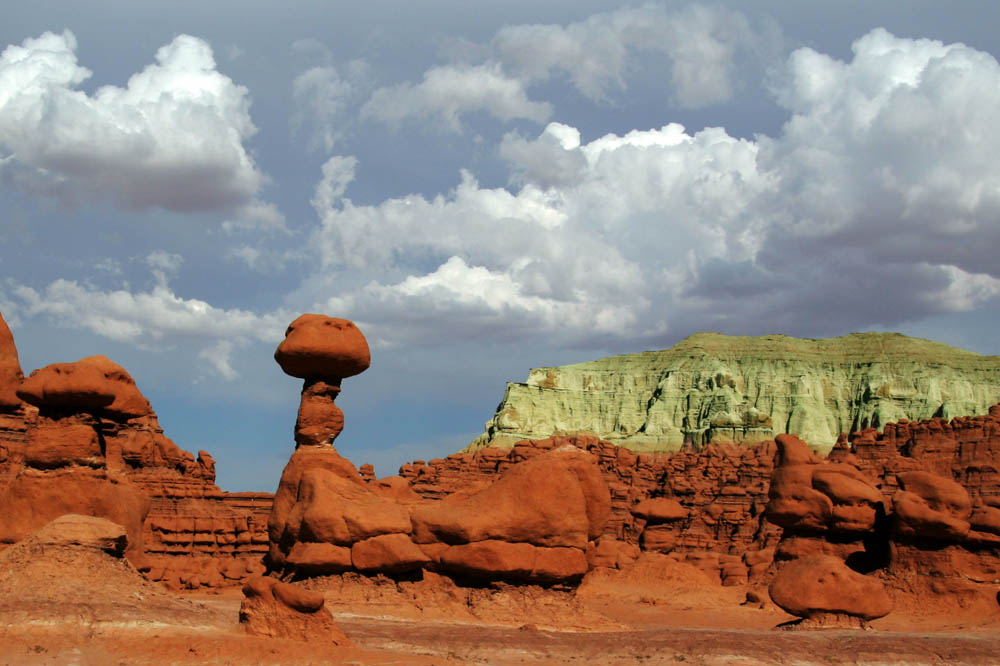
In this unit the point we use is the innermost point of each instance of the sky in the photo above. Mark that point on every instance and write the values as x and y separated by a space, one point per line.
484 188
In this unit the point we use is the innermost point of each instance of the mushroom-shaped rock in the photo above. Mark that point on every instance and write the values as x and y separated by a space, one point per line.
72 386
822 585
281 610
10 370
317 346
931 506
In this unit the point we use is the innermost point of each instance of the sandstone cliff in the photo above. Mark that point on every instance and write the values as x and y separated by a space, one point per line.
728 389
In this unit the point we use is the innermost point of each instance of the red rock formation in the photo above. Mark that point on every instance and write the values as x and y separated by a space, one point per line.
824 590
10 370
534 523
85 440
721 492
280 610
322 351
936 485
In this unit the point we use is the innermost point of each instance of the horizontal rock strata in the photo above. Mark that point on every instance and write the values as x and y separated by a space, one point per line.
712 388
81 438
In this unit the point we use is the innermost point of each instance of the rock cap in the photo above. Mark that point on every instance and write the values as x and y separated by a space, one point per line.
318 346
77 386
90 384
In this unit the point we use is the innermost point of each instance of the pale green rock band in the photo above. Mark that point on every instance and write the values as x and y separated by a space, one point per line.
714 388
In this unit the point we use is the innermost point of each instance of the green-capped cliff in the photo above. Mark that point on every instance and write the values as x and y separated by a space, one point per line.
712 387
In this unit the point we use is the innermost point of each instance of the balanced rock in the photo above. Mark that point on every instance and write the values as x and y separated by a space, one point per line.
320 346
322 351
281 610
820 586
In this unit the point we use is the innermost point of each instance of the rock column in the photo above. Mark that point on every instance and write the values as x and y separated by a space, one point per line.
321 351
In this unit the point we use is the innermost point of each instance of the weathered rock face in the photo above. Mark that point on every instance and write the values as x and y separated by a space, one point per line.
85 440
726 389
931 487
10 370
704 507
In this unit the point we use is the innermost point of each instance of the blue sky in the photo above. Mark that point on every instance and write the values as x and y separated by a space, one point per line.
483 188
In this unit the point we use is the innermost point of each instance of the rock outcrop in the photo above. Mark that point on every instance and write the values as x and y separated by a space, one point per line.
712 388
824 590
281 610
81 438
72 570
533 522
704 507
916 505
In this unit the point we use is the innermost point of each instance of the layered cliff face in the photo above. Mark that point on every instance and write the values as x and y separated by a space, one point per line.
81 438
713 388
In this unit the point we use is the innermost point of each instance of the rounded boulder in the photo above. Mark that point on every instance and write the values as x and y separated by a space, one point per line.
823 584
320 346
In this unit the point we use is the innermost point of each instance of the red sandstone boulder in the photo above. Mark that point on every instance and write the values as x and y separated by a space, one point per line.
931 506
320 346
660 510
321 499
555 499
10 370
387 553
281 610
823 585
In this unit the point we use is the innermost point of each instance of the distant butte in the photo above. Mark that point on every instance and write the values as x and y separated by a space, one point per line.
722 389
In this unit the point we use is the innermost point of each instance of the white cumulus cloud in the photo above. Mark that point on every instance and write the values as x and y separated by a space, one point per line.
876 204
449 91
700 45
172 138
154 319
